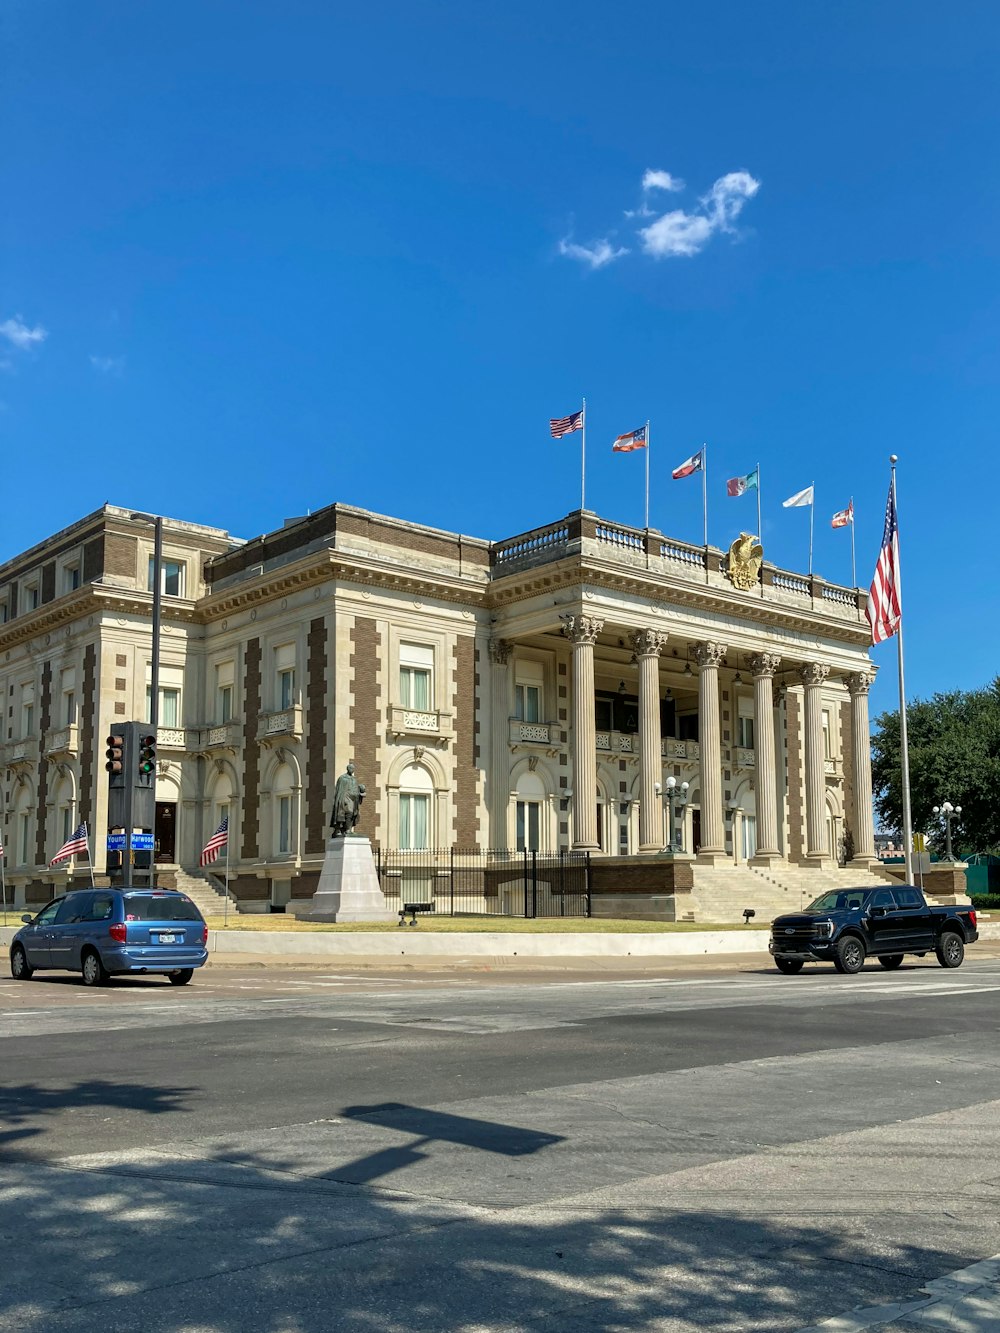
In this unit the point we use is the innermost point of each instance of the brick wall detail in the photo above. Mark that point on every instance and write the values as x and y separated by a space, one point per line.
466 808
89 721
121 556
796 779
364 714
251 752
44 722
316 722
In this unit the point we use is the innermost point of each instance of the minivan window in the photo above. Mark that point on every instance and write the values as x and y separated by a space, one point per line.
48 913
102 908
71 908
160 907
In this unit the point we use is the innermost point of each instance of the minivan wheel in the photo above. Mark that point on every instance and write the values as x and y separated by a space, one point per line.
20 968
850 955
94 971
951 949
788 965
890 961
182 977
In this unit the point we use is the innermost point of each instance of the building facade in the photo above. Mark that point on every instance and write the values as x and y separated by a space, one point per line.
539 692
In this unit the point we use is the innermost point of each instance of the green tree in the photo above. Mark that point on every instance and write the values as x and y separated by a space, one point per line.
954 756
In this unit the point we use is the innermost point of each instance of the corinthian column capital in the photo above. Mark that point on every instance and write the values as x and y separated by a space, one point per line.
583 629
709 653
500 651
860 682
813 673
647 642
764 665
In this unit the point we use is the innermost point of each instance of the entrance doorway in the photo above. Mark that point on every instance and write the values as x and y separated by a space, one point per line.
695 831
165 832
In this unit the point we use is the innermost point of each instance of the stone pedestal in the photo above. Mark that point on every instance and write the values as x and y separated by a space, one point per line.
348 888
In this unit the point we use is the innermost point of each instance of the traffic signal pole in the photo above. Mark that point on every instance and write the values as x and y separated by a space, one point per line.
131 768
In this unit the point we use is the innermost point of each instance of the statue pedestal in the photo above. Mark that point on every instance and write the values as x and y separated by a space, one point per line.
348 888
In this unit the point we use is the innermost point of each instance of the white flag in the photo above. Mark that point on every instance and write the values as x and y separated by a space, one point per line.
799 498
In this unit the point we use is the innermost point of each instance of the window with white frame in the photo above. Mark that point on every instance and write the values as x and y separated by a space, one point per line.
71 578
416 669
284 825
173 577
4 608
32 597
169 711
284 676
416 791
67 682
224 679
827 738
528 683
528 823
27 711
745 731
23 837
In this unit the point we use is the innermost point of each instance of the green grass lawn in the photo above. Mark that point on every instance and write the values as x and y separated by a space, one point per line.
477 924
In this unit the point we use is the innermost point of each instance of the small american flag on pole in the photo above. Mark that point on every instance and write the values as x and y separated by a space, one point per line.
75 843
884 604
560 426
215 844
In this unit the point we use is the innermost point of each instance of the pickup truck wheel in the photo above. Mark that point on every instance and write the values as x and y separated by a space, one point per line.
951 949
890 961
849 955
788 965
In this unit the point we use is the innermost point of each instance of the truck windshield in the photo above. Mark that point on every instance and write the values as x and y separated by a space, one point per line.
845 900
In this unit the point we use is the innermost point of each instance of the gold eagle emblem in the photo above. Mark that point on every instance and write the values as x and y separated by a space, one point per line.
745 559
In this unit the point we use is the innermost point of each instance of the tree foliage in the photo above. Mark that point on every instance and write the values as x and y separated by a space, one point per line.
954 756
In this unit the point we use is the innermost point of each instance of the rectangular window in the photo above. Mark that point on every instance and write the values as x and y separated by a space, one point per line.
27 720
172 577
24 839
528 703
284 824
170 706
71 578
224 704
67 822
31 598
416 664
687 727
414 821
827 752
528 825
286 687
745 733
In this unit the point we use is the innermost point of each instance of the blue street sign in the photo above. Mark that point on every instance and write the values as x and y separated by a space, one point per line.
142 842
116 842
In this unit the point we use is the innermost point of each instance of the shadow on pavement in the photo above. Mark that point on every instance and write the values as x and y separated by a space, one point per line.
25 1106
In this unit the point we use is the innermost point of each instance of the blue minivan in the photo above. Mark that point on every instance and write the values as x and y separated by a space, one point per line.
103 933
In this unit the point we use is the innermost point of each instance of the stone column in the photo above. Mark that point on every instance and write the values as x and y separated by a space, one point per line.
709 656
582 632
863 827
763 666
812 675
500 651
646 644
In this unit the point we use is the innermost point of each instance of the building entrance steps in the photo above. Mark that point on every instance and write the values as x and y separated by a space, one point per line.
207 894
721 893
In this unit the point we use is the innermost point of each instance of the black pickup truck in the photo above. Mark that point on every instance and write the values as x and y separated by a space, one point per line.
846 926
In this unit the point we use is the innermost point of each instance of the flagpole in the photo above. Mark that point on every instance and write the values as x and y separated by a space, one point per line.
647 474
3 880
225 909
854 571
904 746
812 514
760 535
704 496
90 861
583 461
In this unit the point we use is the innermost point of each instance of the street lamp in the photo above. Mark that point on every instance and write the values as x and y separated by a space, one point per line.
154 664
676 797
948 813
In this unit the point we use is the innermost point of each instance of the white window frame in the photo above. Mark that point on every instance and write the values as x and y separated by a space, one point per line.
528 825
410 802
161 719
72 577
23 837
284 824
167 565
285 688
416 676
745 731
527 693
827 734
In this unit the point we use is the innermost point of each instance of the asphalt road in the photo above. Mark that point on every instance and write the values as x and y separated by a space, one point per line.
699 1147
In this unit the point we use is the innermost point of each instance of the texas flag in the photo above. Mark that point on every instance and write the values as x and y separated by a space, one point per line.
635 439
696 463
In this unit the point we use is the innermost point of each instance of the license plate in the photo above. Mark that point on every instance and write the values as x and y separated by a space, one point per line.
167 939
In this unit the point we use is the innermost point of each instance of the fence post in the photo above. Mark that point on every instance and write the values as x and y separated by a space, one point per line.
525 881
451 879
534 884
589 902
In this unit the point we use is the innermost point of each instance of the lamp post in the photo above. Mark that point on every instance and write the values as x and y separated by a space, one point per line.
154 662
948 813
676 797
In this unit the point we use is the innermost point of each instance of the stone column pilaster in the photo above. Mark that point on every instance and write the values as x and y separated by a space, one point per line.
863 827
812 675
582 632
646 644
763 667
709 656
500 653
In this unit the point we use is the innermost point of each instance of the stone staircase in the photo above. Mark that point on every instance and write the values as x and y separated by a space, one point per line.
722 892
206 891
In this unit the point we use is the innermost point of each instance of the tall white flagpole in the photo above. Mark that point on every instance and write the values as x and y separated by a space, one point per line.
904 745
225 909
647 474
704 496
3 879
760 535
854 568
90 859
812 514
583 460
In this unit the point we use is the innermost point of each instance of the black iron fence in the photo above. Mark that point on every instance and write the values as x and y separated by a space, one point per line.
474 882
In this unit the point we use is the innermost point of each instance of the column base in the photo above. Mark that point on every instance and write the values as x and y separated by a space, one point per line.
767 859
650 848
863 862
585 847
819 861
719 858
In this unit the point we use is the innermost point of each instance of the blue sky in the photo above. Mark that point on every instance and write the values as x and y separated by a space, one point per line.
257 258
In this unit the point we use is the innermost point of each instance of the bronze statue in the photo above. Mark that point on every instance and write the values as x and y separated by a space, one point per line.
347 798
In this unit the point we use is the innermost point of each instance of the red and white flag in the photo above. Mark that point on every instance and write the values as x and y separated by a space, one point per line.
884 604
843 516
696 463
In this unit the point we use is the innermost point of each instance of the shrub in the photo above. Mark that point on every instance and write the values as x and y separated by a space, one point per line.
986 902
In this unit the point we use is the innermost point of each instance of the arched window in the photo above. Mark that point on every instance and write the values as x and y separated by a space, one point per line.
416 808
284 822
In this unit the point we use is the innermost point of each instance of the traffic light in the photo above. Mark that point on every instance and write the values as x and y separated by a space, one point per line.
147 756
116 757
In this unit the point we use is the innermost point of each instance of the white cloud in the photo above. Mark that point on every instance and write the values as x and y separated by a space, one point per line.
17 332
108 365
596 255
661 180
684 234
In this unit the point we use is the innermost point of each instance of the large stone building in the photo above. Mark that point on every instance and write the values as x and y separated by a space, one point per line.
536 692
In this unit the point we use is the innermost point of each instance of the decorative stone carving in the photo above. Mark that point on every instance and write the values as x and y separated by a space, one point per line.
647 642
860 682
500 651
709 653
743 565
764 664
583 629
813 673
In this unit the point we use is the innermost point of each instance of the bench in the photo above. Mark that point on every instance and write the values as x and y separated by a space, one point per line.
413 909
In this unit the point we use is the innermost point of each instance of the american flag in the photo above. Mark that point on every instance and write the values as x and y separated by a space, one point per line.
215 844
76 842
884 606
560 426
